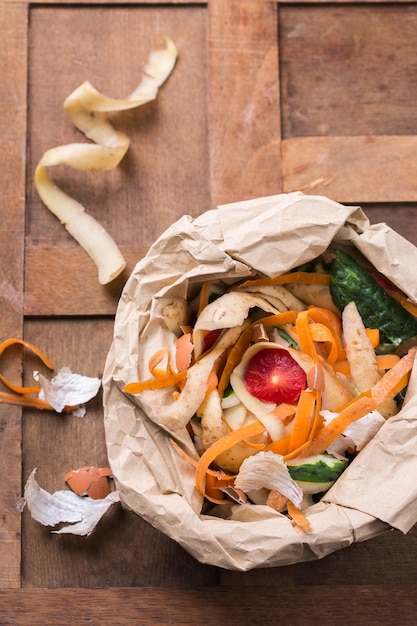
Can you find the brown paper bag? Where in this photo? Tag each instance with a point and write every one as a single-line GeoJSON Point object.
{"type": "Point", "coordinates": [270, 236]}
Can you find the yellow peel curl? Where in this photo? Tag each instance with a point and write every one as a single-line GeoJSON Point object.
{"type": "Point", "coordinates": [88, 110]}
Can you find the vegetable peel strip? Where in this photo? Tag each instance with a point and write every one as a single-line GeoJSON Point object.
{"type": "Point", "coordinates": [88, 110]}
{"type": "Point", "coordinates": [18, 389]}
{"type": "Point", "coordinates": [169, 380]}
{"type": "Point", "coordinates": [384, 388]}
{"type": "Point", "coordinates": [35, 403]}
{"type": "Point", "coordinates": [224, 443]}
{"type": "Point", "coordinates": [298, 516]}
{"type": "Point", "coordinates": [291, 277]}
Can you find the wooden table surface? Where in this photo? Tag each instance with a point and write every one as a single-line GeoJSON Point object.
{"type": "Point", "coordinates": [266, 97]}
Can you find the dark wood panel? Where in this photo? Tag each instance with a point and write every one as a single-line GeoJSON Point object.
{"type": "Point", "coordinates": [348, 69]}
{"type": "Point", "coordinates": [305, 605]}
{"type": "Point", "coordinates": [13, 25]}
{"type": "Point", "coordinates": [124, 550]}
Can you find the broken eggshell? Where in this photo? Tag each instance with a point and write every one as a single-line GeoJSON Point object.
{"type": "Point", "coordinates": [89, 481]}
{"type": "Point", "coordinates": [82, 514]}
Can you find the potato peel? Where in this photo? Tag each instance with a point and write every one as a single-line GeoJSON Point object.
{"type": "Point", "coordinates": [88, 110]}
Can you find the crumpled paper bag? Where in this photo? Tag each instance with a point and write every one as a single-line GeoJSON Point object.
{"type": "Point", "coordinates": [268, 235]}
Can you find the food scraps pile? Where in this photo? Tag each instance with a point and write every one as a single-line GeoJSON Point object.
{"type": "Point", "coordinates": [282, 381]}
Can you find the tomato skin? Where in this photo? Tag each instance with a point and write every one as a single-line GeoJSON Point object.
{"type": "Point", "coordinates": [211, 338]}
{"type": "Point", "coordinates": [272, 375]}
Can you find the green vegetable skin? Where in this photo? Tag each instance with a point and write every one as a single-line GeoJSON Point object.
{"type": "Point", "coordinates": [317, 473]}
{"type": "Point", "coordinates": [350, 282]}
{"type": "Point", "coordinates": [320, 468]}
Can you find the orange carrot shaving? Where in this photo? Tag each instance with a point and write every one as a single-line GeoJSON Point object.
{"type": "Point", "coordinates": [386, 361]}
{"type": "Point", "coordinates": [220, 475]}
{"type": "Point", "coordinates": [305, 339]}
{"type": "Point", "coordinates": [27, 402]}
{"type": "Point", "coordinates": [387, 386]}
{"type": "Point", "coordinates": [221, 445]}
{"type": "Point", "coordinates": [17, 388]}
{"type": "Point", "coordinates": [333, 319]}
{"type": "Point", "coordinates": [212, 382]}
{"type": "Point", "coordinates": [326, 327]}
{"type": "Point", "coordinates": [411, 307]}
{"type": "Point", "coordinates": [298, 516]}
{"type": "Point", "coordinates": [316, 425]}
{"type": "Point", "coordinates": [302, 420]}
{"type": "Point", "coordinates": [321, 334]}
{"type": "Point", "coordinates": [156, 359]}
{"type": "Point", "coordinates": [314, 278]}
{"type": "Point", "coordinates": [343, 367]}
{"type": "Point", "coordinates": [279, 446]}
{"type": "Point", "coordinates": [285, 412]}
{"type": "Point", "coordinates": [328, 433]}
{"type": "Point", "coordinates": [373, 334]}
{"type": "Point", "coordinates": [214, 486]}
{"type": "Point", "coordinates": [169, 380]}
{"type": "Point", "coordinates": [383, 362]}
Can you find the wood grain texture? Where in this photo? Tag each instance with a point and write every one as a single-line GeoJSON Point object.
{"type": "Point", "coordinates": [165, 172]}
{"type": "Point", "coordinates": [245, 136]}
{"type": "Point", "coordinates": [352, 169]}
{"type": "Point", "coordinates": [348, 70]}
{"type": "Point", "coordinates": [248, 74]}
{"type": "Point", "coordinates": [303, 606]}
{"type": "Point", "coordinates": [124, 550]}
{"type": "Point", "coordinates": [13, 26]}
{"type": "Point", "coordinates": [72, 287]}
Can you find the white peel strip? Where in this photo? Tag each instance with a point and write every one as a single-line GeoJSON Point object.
{"type": "Point", "coordinates": [88, 110]}
{"type": "Point", "coordinates": [82, 513]}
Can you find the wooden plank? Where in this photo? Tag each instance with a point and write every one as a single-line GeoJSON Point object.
{"type": "Point", "coordinates": [124, 550]}
{"type": "Point", "coordinates": [245, 137]}
{"type": "Point", "coordinates": [13, 25]}
{"type": "Point", "coordinates": [342, 604]}
{"type": "Point", "coordinates": [79, 292]}
{"type": "Point", "coordinates": [165, 172]}
{"type": "Point", "coordinates": [348, 69]}
{"type": "Point", "coordinates": [352, 169]}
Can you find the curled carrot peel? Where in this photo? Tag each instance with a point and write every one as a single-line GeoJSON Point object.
{"type": "Point", "coordinates": [169, 380]}
{"type": "Point", "coordinates": [302, 419]}
{"type": "Point", "coordinates": [298, 516]}
{"type": "Point", "coordinates": [156, 359]}
{"type": "Point", "coordinates": [28, 402]}
{"type": "Point", "coordinates": [221, 445]}
{"type": "Point", "coordinates": [314, 278]}
{"type": "Point", "coordinates": [313, 327]}
{"type": "Point", "coordinates": [17, 388]}
{"type": "Point", "coordinates": [386, 387]}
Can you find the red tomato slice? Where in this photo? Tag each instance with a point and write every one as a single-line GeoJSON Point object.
{"type": "Point", "coordinates": [272, 375]}
{"type": "Point", "coordinates": [211, 338]}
